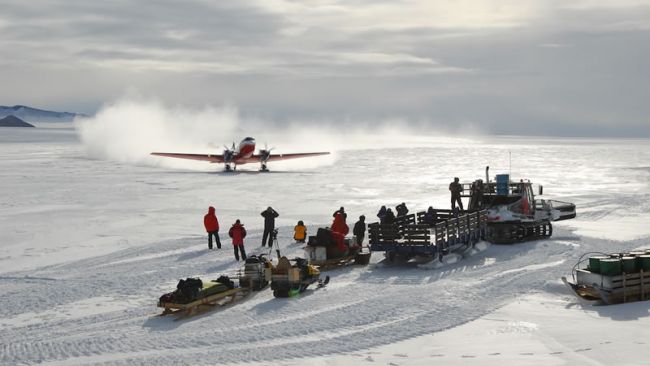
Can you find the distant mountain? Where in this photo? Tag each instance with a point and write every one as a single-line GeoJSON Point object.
{"type": "Point", "coordinates": [13, 121]}
{"type": "Point", "coordinates": [37, 115]}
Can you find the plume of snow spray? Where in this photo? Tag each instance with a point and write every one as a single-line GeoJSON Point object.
{"type": "Point", "coordinates": [129, 129]}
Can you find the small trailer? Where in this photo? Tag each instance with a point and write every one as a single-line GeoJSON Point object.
{"type": "Point", "coordinates": [612, 278]}
{"type": "Point", "coordinates": [408, 238]}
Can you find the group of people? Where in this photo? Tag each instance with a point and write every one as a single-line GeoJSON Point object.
{"type": "Point", "coordinates": [386, 216]}
{"type": "Point", "coordinates": [237, 231]}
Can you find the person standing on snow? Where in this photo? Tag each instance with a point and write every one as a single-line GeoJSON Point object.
{"type": "Point", "coordinates": [456, 188]}
{"type": "Point", "coordinates": [339, 230]}
{"type": "Point", "coordinates": [238, 233]}
{"type": "Point", "coordinates": [359, 230]}
{"type": "Point", "coordinates": [212, 227]}
{"type": "Point", "coordinates": [339, 225]}
{"type": "Point", "coordinates": [269, 225]}
{"type": "Point", "coordinates": [300, 232]}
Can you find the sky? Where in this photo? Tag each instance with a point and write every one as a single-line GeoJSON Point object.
{"type": "Point", "coordinates": [533, 67]}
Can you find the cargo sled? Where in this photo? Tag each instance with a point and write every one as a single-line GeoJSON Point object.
{"type": "Point", "coordinates": [323, 251]}
{"type": "Point", "coordinates": [193, 295]}
{"type": "Point", "coordinates": [444, 234]}
{"type": "Point", "coordinates": [291, 277]}
{"type": "Point", "coordinates": [612, 278]}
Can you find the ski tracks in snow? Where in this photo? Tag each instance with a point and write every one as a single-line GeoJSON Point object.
{"type": "Point", "coordinates": [102, 310]}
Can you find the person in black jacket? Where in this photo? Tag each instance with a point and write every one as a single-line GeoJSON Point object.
{"type": "Point", "coordinates": [456, 189]}
{"type": "Point", "coordinates": [389, 219]}
{"type": "Point", "coordinates": [381, 214]}
{"type": "Point", "coordinates": [269, 225]}
{"type": "Point", "coordinates": [401, 209]}
{"type": "Point", "coordinates": [430, 216]}
{"type": "Point", "coordinates": [359, 230]}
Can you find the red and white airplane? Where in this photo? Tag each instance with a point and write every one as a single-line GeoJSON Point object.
{"type": "Point", "coordinates": [244, 154]}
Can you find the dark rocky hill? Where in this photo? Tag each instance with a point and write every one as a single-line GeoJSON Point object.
{"type": "Point", "coordinates": [13, 121]}
{"type": "Point", "coordinates": [37, 115]}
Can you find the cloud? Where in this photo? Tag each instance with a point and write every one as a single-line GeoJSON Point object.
{"type": "Point", "coordinates": [534, 66]}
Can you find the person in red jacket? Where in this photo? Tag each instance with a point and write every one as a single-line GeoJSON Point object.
{"type": "Point", "coordinates": [238, 233]}
{"type": "Point", "coordinates": [339, 225]}
{"type": "Point", "coordinates": [212, 227]}
{"type": "Point", "coordinates": [339, 230]}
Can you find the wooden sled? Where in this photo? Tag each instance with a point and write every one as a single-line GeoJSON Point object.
{"type": "Point", "coordinates": [203, 304]}
{"type": "Point", "coordinates": [583, 292]}
{"type": "Point", "coordinates": [358, 258]}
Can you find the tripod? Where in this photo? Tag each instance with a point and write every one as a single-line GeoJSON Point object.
{"type": "Point", "coordinates": [274, 243]}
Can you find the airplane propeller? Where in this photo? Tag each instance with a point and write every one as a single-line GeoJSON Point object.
{"type": "Point", "coordinates": [265, 153]}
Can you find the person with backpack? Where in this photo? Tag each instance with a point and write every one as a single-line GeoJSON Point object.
{"type": "Point", "coordinates": [237, 232]}
{"type": "Point", "coordinates": [359, 230]}
{"type": "Point", "coordinates": [300, 232]}
{"type": "Point", "coordinates": [269, 225]}
{"type": "Point", "coordinates": [212, 227]}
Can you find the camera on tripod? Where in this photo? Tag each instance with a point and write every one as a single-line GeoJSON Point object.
{"type": "Point", "coordinates": [274, 234]}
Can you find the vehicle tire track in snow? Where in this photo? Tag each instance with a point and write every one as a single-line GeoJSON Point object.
{"type": "Point", "coordinates": [374, 305]}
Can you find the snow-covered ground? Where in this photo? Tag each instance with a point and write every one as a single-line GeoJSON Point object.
{"type": "Point", "coordinates": [87, 245]}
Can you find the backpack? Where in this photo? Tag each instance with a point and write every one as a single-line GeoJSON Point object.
{"type": "Point", "coordinates": [189, 288]}
{"type": "Point", "coordinates": [226, 281]}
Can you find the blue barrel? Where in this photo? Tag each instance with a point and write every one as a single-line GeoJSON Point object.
{"type": "Point", "coordinates": [502, 184]}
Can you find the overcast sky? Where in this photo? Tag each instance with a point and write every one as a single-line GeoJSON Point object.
{"type": "Point", "coordinates": [541, 67]}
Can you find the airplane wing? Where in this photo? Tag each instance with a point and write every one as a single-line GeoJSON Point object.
{"type": "Point", "coordinates": [205, 157]}
{"type": "Point", "coordinates": [277, 157]}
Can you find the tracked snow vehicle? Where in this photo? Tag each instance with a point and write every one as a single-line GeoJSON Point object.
{"type": "Point", "coordinates": [514, 215]}
{"type": "Point", "coordinates": [289, 279]}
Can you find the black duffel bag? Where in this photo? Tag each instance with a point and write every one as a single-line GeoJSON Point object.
{"type": "Point", "coordinates": [324, 237]}
{"type": "Point", "coordinates": [189, 288]}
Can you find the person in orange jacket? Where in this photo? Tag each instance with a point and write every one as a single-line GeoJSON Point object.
{"type": "Point", "coordinates": [300, 232]}
{"type": "Point", "coordinates": [237, 232]}
{"type": "Point", "coordinates": [212, 227]}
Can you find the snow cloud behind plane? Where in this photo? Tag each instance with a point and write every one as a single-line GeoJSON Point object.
{"type": "Point", "coordinates": [129, 129]}
{"type": "Point", "coordinates": [533, 67]}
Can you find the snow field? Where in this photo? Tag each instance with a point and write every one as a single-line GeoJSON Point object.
{"type": "Point", "coordinates": [89, 245]}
